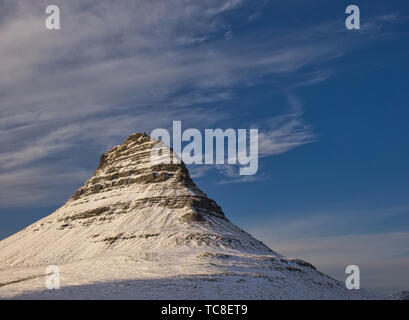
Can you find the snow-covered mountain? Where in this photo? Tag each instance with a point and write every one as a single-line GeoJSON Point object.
{"type": "Point", "coordinates": [142, 229]}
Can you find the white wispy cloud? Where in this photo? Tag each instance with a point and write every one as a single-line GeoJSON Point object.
{"type": "Point", "coordinates": [285, 133]}
{"type": "Point", "coordinates": [39, 185]}
{"type": "Point", "coordinates": [120, 67]}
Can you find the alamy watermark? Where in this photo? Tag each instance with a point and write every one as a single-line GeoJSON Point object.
{"type": "Point", "coordinates": [353, 281]}
{"type": "Point", "coordinates": [353, 21]}
{"type": "Point", "coordinates": [52, 21]}
{"type": "Point", "coordinates": [242, 147]}
{"type": "Point", "coordinates": [52, 280]}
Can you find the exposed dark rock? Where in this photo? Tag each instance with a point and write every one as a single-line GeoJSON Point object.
{"type": "Point", "coordinates": [193, 217]}
{"type": "Point", "coordinates": [88, 214]}
{"type": "Point", "coordinates": [303, 263]}
{"type": "Point", "coordinates": [214, 255]}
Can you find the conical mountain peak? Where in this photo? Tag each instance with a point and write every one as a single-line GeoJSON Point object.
{"type": "Point", "coordinates": [129, 167]}
{"type": "Point", "coordinates": [139, 219]}
{"type": "Point", "coordinates": [130, 205]}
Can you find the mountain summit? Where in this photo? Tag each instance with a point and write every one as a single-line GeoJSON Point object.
{"type": "Point", "coordinates": [139, 228]}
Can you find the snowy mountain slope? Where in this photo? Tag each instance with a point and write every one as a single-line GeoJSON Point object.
{"type": "Point", "coordinates": [142, 229]}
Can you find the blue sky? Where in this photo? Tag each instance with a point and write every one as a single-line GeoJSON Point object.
{"type": "Point", "coordinates": [331, 106]}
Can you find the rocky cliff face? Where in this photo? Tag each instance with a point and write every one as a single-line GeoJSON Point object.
{"type": "Point", "coordinates": [138, 218]}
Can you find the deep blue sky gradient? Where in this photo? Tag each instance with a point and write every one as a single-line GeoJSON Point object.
{"type": "Point", "coordinates": [357, 169]}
